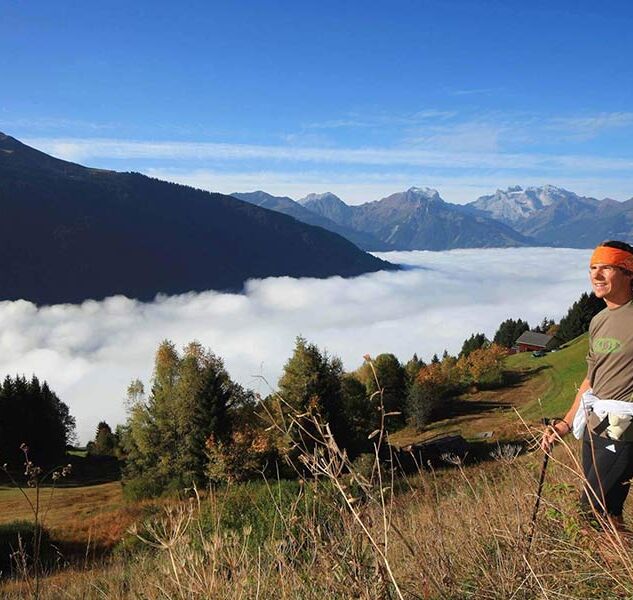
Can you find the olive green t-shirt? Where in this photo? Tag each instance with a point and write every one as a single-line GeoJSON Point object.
{"type": "Point", "coordinates": [610, 357]}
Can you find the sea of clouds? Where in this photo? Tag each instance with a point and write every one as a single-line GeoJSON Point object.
{"type": "Point", "coordinates": [90, 352]}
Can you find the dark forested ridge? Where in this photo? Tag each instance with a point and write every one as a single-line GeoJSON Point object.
{"type": "Point", "coordinates": [69, 233]}
{"type": "Point", "coordinates": [288, 206]}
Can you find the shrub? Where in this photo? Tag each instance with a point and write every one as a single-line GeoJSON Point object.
{"type": "Point", "coordinates": [142, 488]}
{"type": "Point", "coordinates": [280, 510]}
{"type": "Point", "coordinates": [18, 535]}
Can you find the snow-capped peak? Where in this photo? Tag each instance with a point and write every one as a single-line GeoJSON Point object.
{"type": "Point", "coordinates": [517, 203]}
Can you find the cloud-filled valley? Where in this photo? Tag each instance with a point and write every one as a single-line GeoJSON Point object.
{"type": "Point", "coordinates": [90, 352]}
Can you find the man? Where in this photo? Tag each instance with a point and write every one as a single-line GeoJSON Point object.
{"type": "Point", "coordinates": [603, 407]}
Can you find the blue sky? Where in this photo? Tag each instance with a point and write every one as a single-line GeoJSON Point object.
{"type": "Point", "coordinates": [359, 98]}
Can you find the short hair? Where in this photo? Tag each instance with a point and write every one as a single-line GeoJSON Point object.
{"type": "Point", "coordinates": [620, 246]}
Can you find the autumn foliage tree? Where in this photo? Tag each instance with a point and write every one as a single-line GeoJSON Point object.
{"type": "Point", "coordinates": [252, 449]}
{"type": "Point", "coordinates": [436, 383]}
{"type": "Point", "coordinates": [482, 366]}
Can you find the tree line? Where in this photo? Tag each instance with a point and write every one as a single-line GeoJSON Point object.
{"type": "Point", "coordinates": [32, 415]}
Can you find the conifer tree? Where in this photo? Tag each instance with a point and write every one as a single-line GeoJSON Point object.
{"type": "Point", "coordinates": [105, 442]}
{"type": "Point", "coordinates": [474, 342]}
{"type": "Point", "coordinates": [509, 332]}
{"type": "Point", "coordinates": [166, 435]}
{"type": "Point", "coordinates": [311, 382]}
{"type": "Point", "coordinates": [33, 414]}
{"type": "Point", "coordinates": [412, 368]}
{"type": "Point", "coordinates": [576, 321]}
{"type": "Point", "coordinates": [360, 413]}
{"type": "Point", "coordinates": [391, 378]}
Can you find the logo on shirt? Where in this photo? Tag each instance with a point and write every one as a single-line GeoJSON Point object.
{"type": "Point", "coordinates": [606, 345]}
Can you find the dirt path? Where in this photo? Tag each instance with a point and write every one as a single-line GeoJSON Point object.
{"type": "Point", "coordinates": [481, 412]}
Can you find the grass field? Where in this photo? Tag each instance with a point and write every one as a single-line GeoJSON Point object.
{"type": "Point", "coordinates": [562, 373]}
{"type": "Point", "coordinates": [83, 517]}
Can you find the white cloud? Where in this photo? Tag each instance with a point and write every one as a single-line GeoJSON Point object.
{"type": "Point", "coordinates": [382, 120]}
{"type": "Point", "coordinates": [90, 148]}
{"type": "Point", "coordinates": [588, 127]}
{"type": "Point", "coordinates": [90, 352]}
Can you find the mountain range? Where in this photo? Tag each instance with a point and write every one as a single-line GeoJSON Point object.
{"type": "Point", "coordinates": [419, 219]}
{"type": "Point", "coordinates": [70, 233]}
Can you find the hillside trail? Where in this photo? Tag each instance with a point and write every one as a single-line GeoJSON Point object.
{"type": "Point", "coordinates": [487, 414]}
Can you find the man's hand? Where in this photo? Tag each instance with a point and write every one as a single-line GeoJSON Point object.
{"type": "Point", "coordinates": [554, 432]}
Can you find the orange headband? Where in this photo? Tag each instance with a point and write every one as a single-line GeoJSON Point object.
{"type": "Point", "coordinates": [604, 255]}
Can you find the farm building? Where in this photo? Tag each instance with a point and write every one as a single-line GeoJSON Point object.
{"type": "Point", "coordinates": [531, 340]}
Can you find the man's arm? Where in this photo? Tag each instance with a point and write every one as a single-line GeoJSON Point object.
{"type": "Point", "coordinates": [562, 428]}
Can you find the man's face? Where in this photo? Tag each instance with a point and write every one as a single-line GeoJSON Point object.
{"type": "Point", "coordinates": [609, 282]}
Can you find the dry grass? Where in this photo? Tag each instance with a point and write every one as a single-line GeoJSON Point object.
{"type": "Point", "coordinates": [87, 516]}
{"type": "Point", "coordinates": [458, 533]}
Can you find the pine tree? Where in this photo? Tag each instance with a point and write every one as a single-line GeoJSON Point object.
{"type": "Point", "coordinates": [361, 415]}
{"type": "Point", "coordinates": [474, 342]}
{"type": "Point", "coordinates": [311, 383]}
{"type": "Point", "coordinates": [412, 368]}
{"type": "Point", "coordinates": [509, 332]}
{"type": "Point", "coordinates": [545, 325]}
{"type": "Point", "coordinates": [105, 442]}
{"type": "Point", "coordinates": [33, 414]}
{"type": "Point", "coordinates": [576, 321]}
{"type": "Point", "coordinates": [391, 377]}
{"type": "Point", "coordinates": [165, 437]}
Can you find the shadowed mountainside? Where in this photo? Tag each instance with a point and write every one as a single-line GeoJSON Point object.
{"type": "Point", "coordinates": [289, 207]}
{"type": "Point", "coordinates": [70, 233]}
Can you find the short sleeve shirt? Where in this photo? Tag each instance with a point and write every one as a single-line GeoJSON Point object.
{"type": "Point", "coordinates": [610, 357]}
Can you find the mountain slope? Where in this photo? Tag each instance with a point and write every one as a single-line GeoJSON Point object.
{"type": "Point", "coordinates": [69, 233]}
{"type": "Point", "coordinates": [588, 230]}
{"type": "Point", "coordinates": [329, 206]}
{"type": "Point", "coordinates": [418, 219]}
{"type": "Point", "coordinates": [289, 207]}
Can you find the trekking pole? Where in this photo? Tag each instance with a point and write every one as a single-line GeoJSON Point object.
{"type": "Point", "coordinates": [539, 493]}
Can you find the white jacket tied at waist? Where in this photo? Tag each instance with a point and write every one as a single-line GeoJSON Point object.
{"type": "Point", "coordinates": [620, 414]}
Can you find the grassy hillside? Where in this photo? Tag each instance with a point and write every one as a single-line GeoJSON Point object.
{"type": "Point", "coordinates": [560, 372]}
{"type": "Point", "coordinates": [536, 388]}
